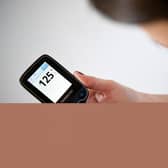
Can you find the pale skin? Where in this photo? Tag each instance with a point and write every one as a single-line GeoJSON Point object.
{"type": "Point", "coordinates": [109, 91]}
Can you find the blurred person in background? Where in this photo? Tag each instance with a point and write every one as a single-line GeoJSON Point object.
{"type": "Point", "coordinates": [152, 16]}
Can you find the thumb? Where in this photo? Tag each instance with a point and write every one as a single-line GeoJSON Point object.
{"type": "Point", "coordinates": [93, 82]}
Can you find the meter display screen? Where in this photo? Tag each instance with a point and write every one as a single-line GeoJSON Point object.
{"type": "Point", "coordinates": [48, 81]}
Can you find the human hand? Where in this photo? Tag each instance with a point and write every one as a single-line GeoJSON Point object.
{"type": "Point", "coordinates": [108, 91]}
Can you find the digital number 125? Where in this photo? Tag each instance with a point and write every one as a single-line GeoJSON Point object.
{"type": "Point", "coordinates": [46, 79]}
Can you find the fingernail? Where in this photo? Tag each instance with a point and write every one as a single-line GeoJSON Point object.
{"type": "Point", "coordinates": [80, 73]}
{"type": "Point", "coordinates": [99, 97]}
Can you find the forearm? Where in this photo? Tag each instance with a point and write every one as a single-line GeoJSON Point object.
{"type": "Point", "coordinates": [153, 98]}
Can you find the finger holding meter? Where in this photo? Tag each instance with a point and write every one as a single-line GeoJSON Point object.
{"type": "Point", "coordinates": [50, 82]}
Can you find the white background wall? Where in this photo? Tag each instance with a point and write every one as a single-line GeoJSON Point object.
{"type": "Point", "coordinates": [81, 39]}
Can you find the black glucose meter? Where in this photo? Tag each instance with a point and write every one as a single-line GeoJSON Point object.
{"type": "Point", "coordinates": [50, 82]}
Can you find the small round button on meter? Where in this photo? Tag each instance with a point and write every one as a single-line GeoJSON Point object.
{"type": "Point", "coordinates": [83, 94]}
